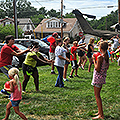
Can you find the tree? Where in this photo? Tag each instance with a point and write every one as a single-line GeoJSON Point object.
{"type": "Point", "coordinates": [53, 13]}
{"type": "Point", "coordinates": [69, 15]}
{"type": "Point", "coordinates": [8, 30]}
{"type": "Point", "coordinates": [24, 9]}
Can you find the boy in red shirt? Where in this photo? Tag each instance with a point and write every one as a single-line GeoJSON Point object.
{"type": "Point", "coordinates": [73, 58]}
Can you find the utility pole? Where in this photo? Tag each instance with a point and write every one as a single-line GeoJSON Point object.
{"type": "Point", "coordinates": [119, 12]}
{"type": "Point", "coordinates": [61, 19]}
{"type": "Point", "coordinates": [15, 19]}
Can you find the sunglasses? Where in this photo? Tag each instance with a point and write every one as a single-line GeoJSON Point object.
{"type": "Point", "coordinates": [12, 38]}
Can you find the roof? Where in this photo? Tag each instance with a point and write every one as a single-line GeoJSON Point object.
{"type": "Point", "coordinates": [24, 21]}
{"type": "Point", "coordinates": [70, 22]}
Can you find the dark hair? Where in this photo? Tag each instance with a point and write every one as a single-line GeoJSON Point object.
{"type": "Point", "coordinates": [104, 46]}
{"type": "Point", "coordinates": [7, 38]}
{"type": "Point", "coordinates": [58, 41]}
{"type": "Point", "coordinates": [34, 44]}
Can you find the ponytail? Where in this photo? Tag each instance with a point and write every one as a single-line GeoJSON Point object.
{"type": "Point", "coordinates": [16, 77]}
{"type": "Point", "coordinates": [14, 72]}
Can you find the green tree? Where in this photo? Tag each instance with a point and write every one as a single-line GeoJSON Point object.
{"type": "Point", "coordinates": [69, 15]}
{"type": "Point", "coordinates": [53, 13]}
{"type": "Point", "coordinates": [108, 21]}
{"type": "Point", "coordinates": [9, 30]}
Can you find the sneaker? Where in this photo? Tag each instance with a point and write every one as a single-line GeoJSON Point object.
{"type": "Point", "coordinates": [70, 76]}
{"type": "Point", "coordinates": [76, 76]}
{"type": "Point", "coordinates": [82, 67]}
{"type": "Point", "coordinates": [65, 79]}
{"type": "Point", "coordinates": [23, 91]}
{"type": "Point", "coordinates": [4, 92]}
{"type": "Point", "coordinates": [53, 72]}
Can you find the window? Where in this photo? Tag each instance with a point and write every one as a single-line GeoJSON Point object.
{"type": "Point", "coordinates": [28, 27]}
{"type": "Point", "coordinates": [53, 24]}
{"type": "Point", "coordinates": [48, 24]}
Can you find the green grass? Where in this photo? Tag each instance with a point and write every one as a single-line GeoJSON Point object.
{"type": "Point", "coordinates": [74, 102]}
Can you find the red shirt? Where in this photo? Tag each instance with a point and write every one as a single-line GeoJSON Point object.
{"type": "Point", "coordinates": [51, 49]}
{"type": "Point", "coordinates": [6, 56]}
{"type": "Point", "coordinates": [73, 52]}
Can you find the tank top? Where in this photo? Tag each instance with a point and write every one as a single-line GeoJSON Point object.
{"type": "Point", "coordinates": [100, 77]}
{"type": "Point", "coordinates": [16, 95]}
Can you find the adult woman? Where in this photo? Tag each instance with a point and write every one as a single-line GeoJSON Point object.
{"type": "Point", "coordinates": [90, 52]}
{"type": "Point", "coordinates": [29, 65]}
{"type": "Point", "coordinates": [60, 57]}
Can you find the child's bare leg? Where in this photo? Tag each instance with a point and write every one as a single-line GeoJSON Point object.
{"type": "Point", "coordinates": [65, 71]}
{"type": "Point", "coordinates": [90, 64]}
{"type": "Point", "coordinates": [85, 60]}
{"type": "Point", "coordinates": [9, 105]}
{"type": "Point", "coordinates": [75, 71]}
{"type": "Point", "coordinates": [19, 113]}
{"type": "Point", "coordinates": [99, 103]}
{"type": "Point", "coordinates": [72, 72]}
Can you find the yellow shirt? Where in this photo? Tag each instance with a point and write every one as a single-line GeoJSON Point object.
{"type": "Point", "coordinates": [29, 60]}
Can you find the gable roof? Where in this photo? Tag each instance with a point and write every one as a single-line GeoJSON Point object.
{"type": "Point", "coordinates": [25, 21]}
{"type": "Point", "coordinates": [70, 22]}
{"type": "Point", "coordinates": [1, 20]}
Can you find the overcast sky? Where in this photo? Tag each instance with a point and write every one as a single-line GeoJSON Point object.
{"type": "Point", "coordinates": [99, 8]}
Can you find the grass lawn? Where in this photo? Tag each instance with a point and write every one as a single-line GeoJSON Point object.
{"type": "Point", "coordinates": [74, 102]}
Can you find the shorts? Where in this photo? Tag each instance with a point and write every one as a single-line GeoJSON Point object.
{"type": "Point", "coordinates": [97, 85]}
{"type": "Point", "coordinates": [80, 53]}
{"type": "Point", "coordinates": [15, 103]}
{"type": "Point", "coordinates": [52, 56]}
{"type": "Point", "coordinates": [89, 55]}
{"type": "Point", "coordinates": [74, 64]}
{"type": "Point", "coordinates": [28, 69]}
{"type": "Point", "coordinates": [5, 69]}
{"type": "Point", "coordinates": [66, 62]}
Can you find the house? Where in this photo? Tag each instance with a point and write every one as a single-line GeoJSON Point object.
{"type": "Point", "coordinates": [24, 23]}
{"type": "Point", "coordinates": [71, 27]}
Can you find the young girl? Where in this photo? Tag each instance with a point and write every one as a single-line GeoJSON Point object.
{"type": "Point", "coordinates": [90, 52]}
{"type": "Point", "coordinates": [99, 76]}
{"type": "Point", "coordinates": [66, 46]}
{"type": "Point", "coordinates": [16, 94]}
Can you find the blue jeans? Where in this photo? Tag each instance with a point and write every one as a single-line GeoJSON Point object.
{"type": "Point", "coordinates": [59, 82]}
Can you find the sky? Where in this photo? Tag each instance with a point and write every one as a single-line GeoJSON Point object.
{"type": "Point", "coordinates": [99, 8]}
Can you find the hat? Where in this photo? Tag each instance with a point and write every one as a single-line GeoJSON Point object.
{"type": "Point", "coordinates": [55, 33]}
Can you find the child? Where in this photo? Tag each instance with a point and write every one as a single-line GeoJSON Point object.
{"type": "Point", "coordinates": [16, 94]}
{"type": "Point", "coordinates": [90, 52]}
{"type": "Point", "coordinates": [99, 76]}
{"type": "Point", "coordinates": [73, 58]}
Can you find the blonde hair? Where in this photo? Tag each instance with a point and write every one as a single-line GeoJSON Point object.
{"type": "Point", "coordinates": [75, 42]}
{"type": "Point", "coordinates": [91, 41]}
{"type": "Point", "coordinates": [66, 38]}
{"type": "Point", "coordinates": [14, 73]}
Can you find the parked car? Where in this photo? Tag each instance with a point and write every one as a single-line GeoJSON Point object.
{"type": "Point", "coordinates": [15, 61]}
{"type": "Point", "coordinates": [22, 57]}
{"type": "Point", "coordinates": [44, 48]}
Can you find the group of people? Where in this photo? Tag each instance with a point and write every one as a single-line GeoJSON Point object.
{"type": "Point", "coordinates": [61, 54]}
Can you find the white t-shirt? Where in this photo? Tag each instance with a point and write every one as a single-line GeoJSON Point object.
{"type": "Point", "coordinates": [115, 43]}
{"type": "Point", "coordinates": [60, 51]}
